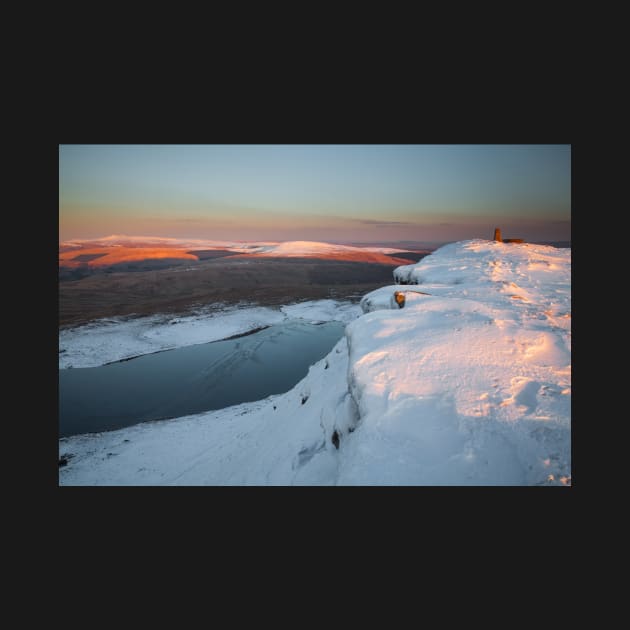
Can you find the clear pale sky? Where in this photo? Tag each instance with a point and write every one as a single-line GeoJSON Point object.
{"type": "Point", "coordinates": [336, 193]}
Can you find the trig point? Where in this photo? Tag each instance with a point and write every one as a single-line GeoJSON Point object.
{"type": "Point", "coordinates": [497, 235]}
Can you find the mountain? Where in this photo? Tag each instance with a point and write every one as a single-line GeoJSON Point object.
{"type": "Point", "coordinates": [142, 253]}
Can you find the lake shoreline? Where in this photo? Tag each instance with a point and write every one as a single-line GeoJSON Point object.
{"type": "Point", "coordinates": [113, 340]}
{"type": "Point", "coordinates": [192, 379]}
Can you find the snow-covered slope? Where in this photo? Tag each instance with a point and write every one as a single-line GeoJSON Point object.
{"type": "Point", "coordinates": [282, 440]}
{"type": "Point", "coordinates": [314, 249]}
{"type": "Point", "coordinates": [304, 248]}
{"type": "Point", "coordinates": [301, 248]}
{"type": "Point", "coordinates": [472, 383]}
{"type": "Point", "coordinates": [468, 385]}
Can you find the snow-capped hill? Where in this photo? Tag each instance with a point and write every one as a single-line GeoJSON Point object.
{"type": "Point", "coordinates": [332, 251]}
{"type": "Point", "coordinates": [470, 384]}
{"type": "Point", "coordinates": [302, 248]}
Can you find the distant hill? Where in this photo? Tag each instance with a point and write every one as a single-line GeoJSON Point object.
{"type": "Point", "coordinates": [80, 258]}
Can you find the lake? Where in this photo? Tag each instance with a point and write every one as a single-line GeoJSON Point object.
{"type": "Point", "coordinates": [193, 379]}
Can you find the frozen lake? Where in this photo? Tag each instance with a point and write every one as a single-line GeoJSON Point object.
{"type": "Point", "coordinates": [192, 379]}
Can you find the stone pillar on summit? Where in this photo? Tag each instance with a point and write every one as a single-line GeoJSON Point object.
{"type": "Point", "coordinates": [497, 235]}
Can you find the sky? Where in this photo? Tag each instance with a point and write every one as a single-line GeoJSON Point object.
{"type": "Point", "coordinates": [334, 193]}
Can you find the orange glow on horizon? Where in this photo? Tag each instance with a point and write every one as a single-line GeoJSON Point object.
{"type": "Point", "coordinates": [113, 255]}
{"type": "Point", "coordinates": [106, 256]}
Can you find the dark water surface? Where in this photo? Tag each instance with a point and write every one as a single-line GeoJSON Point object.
{"type": "Point", "coordinates": [193, 379]}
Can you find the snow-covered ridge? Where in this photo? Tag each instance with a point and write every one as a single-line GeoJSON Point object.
{"type": "Point", "coordinates": [303, 248]}
{"type": "Point", "coordinates": [116, 249]}
{"type": "Point", "coordinates": [122, 240]}
{"type": "Point", "coordinates": [275, 248]}
{"type": "Point", "coordinates": [470, 384]}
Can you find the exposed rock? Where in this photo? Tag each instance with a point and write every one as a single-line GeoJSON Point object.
{"type": "Point", "coordinates": [335, 439]}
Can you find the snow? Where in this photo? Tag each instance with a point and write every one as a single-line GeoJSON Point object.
{"type": "Point", "coordinates": [265, 248]}
{"type": "Point", "coordinates": [472, 383]}
{"type": "Point", "coordinates": [277, 441]}
{"type": "Point", "coordinates": [118, 248]}
{"type": "Point", "coordinates": [390, 250]}
{"type": "Point", "coordinates": [302, 248]}
{"type": "Point", "coordinates": [313, 249]}
{"type": "Point", "coordinates": [469, 385]}
{"type": "Point", "coordinates": [382, 298]}
{"type": "Point", "coordinates": [122, 240]}
{"type": "Point", "coordinates": [104, 341]}
{"type": "Point", "coordinates": [317, 311]}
